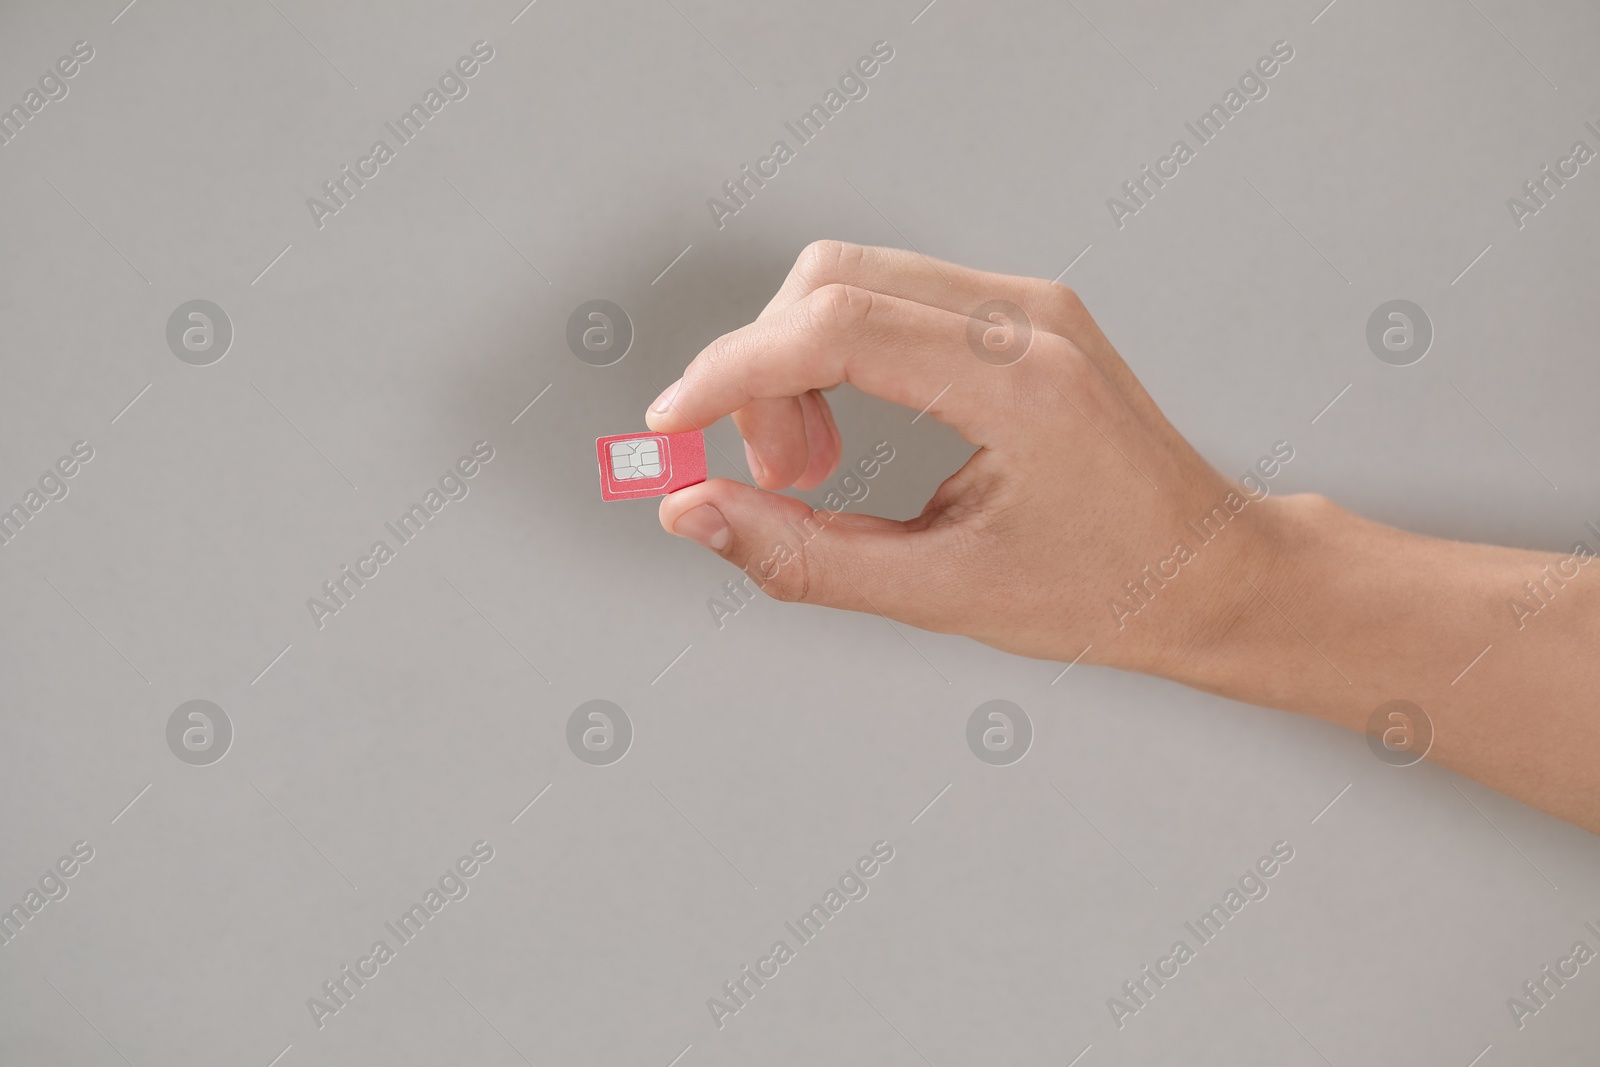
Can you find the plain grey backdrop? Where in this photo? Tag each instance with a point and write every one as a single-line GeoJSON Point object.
{"type": "Point", "coordinates": [370, 352]}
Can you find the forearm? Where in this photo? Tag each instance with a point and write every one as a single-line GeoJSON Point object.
{"type": "Point", "coordinates": [1333, 616]}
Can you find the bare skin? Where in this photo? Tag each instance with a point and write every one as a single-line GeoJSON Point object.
{"type": "Point", "coordinates": [1296, 604]}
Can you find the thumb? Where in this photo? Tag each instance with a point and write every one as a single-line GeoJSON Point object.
{"type": "Point", "coordinates": [796, 553]}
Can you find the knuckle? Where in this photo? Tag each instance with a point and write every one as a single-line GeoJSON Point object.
{"type": "Point", "coordinates": [852, 259]}
{"type": "Point", "coordinates": [1064, 298]}
{"type": "Point", "coordinates": [821, 262]}
{"type": "Point", "coordinates": [1063, 294]}
{"type": "Point", "coordinates": [837, 309]}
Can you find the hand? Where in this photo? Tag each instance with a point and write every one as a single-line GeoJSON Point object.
{"type": "Point", "coordinates": [1078, 486]}
{"type": "Point", "coordinates": [1085, 526]}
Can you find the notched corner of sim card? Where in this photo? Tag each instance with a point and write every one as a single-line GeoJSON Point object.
{"type": "Point", "coordinates": [636, 465]}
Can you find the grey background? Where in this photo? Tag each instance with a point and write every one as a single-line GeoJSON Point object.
{"type": "Point", "coordinates": [775, 751]}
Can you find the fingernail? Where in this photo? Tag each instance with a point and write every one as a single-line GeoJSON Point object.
{"type": "Point", "coordinates": [664, 401]}
{"type": "Point", "coordinates": [706, 525]}
{"type": "Point", "coordinates": [756, 469]}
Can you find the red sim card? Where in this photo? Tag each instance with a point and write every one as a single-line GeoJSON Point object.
{"type": "Point", "coordinates": [650, 464]}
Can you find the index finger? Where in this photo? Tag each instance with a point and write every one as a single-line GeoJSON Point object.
{"type": "Point", "coordinates": [905, 352]}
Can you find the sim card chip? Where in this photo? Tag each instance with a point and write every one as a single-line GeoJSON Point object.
{"type": "Point", "coordinates": [631, 460]}
{"type": "Point", "coordinates": [635, 465]}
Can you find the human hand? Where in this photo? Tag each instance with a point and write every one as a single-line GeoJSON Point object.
{"type": "Point", "coordinates": [1079, 484]}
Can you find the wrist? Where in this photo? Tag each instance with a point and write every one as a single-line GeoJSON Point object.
{"type": "Point", "coordinates": [1272, 590]}
{"type": "Point", "coordinates": [1326, 613]}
